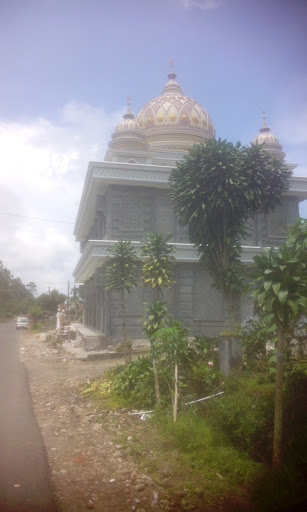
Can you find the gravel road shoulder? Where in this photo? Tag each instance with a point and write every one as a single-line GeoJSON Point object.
{"type": "Point", "coordinates": [96, 457]}
{"type": "Point", "coordinates": [89, 471]}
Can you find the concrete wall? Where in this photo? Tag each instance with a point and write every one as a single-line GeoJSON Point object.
{"type": "Point", "coordinates": [132, 212]}
{"type": "Point", "coordinates": [191, 299]}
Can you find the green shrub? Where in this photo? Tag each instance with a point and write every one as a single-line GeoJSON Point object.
{"type": "Point", "coordinates": [135, 382]}
{"type": "Point", "coordinates": [201, 374]}
{"type": "Point", "coordinates": [254, 336]}
{"type": "Point", "coordinates": [204, 379]}
{"type": "Point", "coordinates": [36, 327]}
{"type": "Point", "coordinates": [244, 416]}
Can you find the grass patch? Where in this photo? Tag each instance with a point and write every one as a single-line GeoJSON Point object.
{"type": "Point", "coordinates": [218, 449]}
{"type": "Point", "coordinates": [208, 452]}
{"type": "Point", "coordinates": [99, 390]}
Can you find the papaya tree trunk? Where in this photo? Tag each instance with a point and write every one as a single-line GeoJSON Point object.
{"type": "Point", "coordinates": [154, 362]}
{"type": "Point", "coordinates": [175, 403]}
{"type": "Point", "coordinates": [277, 437]}
{"type": "Point", "coordinates": [156, 379]}
{"type": "Point", "coordinates": [124, 325]}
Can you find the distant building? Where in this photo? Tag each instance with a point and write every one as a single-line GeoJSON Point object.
{"type": "Point", "coordinates": [125, 197]}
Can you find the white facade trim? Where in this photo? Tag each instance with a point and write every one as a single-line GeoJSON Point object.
{"type": "Point", "coordinates": [101, 174]}
{"type": "Point", "coordinates": [96, 252]}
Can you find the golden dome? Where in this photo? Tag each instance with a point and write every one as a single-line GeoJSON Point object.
{"type": "Point", "coordinates": [270, 141]}
{"type": "Point", "coordinates": [174, 117]}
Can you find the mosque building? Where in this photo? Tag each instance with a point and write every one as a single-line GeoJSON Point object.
{"type": "Point", "coordinates": [126, 196]}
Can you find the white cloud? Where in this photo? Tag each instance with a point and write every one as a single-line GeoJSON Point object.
{"type": "Point", "coordinates": [204, 5]}
{"type": "Point", "coordinates": [42, 170]}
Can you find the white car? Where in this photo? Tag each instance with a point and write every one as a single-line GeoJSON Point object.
{"type": "Point", "coordinates": [22, 322]}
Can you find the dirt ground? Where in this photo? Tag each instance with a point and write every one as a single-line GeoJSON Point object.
{"type": "Point", "coordinates": [90, 467]}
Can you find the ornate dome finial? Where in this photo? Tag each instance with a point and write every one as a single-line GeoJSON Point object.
{"type": "Point", "coordinates": [171, 75]}
{"type": "Point", "coordinates": [128, 114]}
{"type": "Point", "coordinates": [264, 127]}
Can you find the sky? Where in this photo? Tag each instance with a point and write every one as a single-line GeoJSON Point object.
{"type": "Point", "coordinates": [67, 68]}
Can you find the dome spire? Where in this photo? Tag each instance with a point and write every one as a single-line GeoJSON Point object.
{"type": "Point", "coordinates": [128, 114]}
{"type": "Point", "coordinates": [264, 127]}
{"type": "Point", "coordinates": [172, 75]}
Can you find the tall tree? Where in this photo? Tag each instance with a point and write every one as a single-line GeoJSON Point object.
{"type": "Point", "coordinates": [49, 302]}
{"type": "Point", "coordinates": [215, 189]}
{"type": "Point", "coordinates": [32, 288]}
{"type": "Point", "coordinates": [14, 296]}
{"type": "Point", "coordinates": [122, 275]}
{"type": "Point", "coordinates": [158, 268]}
{"type": "Point", "coordinates": [279, 282]}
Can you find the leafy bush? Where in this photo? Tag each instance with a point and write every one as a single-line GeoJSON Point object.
{"type": "Point", "coordinates": [37, 327]}
{"type": "Point", "coordinates": [204, 379]}
{"type": "Point", "coordinates": [199, 376]}
{"type": "Point", "coordinates": [244, 416]}
{"type": "Point", "coordinates": [201, 372]}
{"type": "Point", "coordinates": [135, 382]}
{"type": "Point", "coordinates": [155, 317]}
{"type": "Point", "coordinates": [254, 336]}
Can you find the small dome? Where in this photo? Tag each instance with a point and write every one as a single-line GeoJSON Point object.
{"type": "Point", "coordinates": [174, 117]}
{"type": "Point", "coordinates": [270, 141]}
{"type": "Point", "coordinates": [127, 134]}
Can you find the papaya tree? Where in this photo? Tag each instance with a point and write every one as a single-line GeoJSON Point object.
{"type": "Point", "coordinates": [122, 276]}
{"type": "Point", "coordinates": [172, 342]}
{"type": "Point", "coordinates": [158, 269]}
{"type": "Point", "coordinates": [279, 282]}
{"type": "Point", "coordinates": [215, 189]}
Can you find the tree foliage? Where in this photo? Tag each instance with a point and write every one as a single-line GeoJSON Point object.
{"type": "Point", "coordinates": [158, 262]}
{"type": "Point", "coordinates": [121, 270]}
{"type": "Point", "coordinates": [122, 275]}
{"type": "Point", "coordinates": [279, 279]}
{"type": "Point", "coordinates": [14, 297]}
{"type": "Point", "coordinates": [158, 268]}
{"type": "Point", "coordinates": [215, 189]}
{"type": "Point", "coordinates": [155, 317]}
{"type": "Point", "coordinates": [280, 289]}
{"type": "Point", "coordinates": [49, 302]}
{"type": "Point", "coordinates": [32, 287]}
{"type": "Point", "coordinates": [171, 341]}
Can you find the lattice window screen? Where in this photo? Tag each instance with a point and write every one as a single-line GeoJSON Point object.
{"type": "Point", "coordinates": [131, 215]}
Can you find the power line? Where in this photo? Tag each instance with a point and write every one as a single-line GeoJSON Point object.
{"type": "Point", "coordinates": [35, 218]}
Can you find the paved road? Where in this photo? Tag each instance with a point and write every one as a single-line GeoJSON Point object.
{"type": "Point", "coordinates": [24, 473]}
